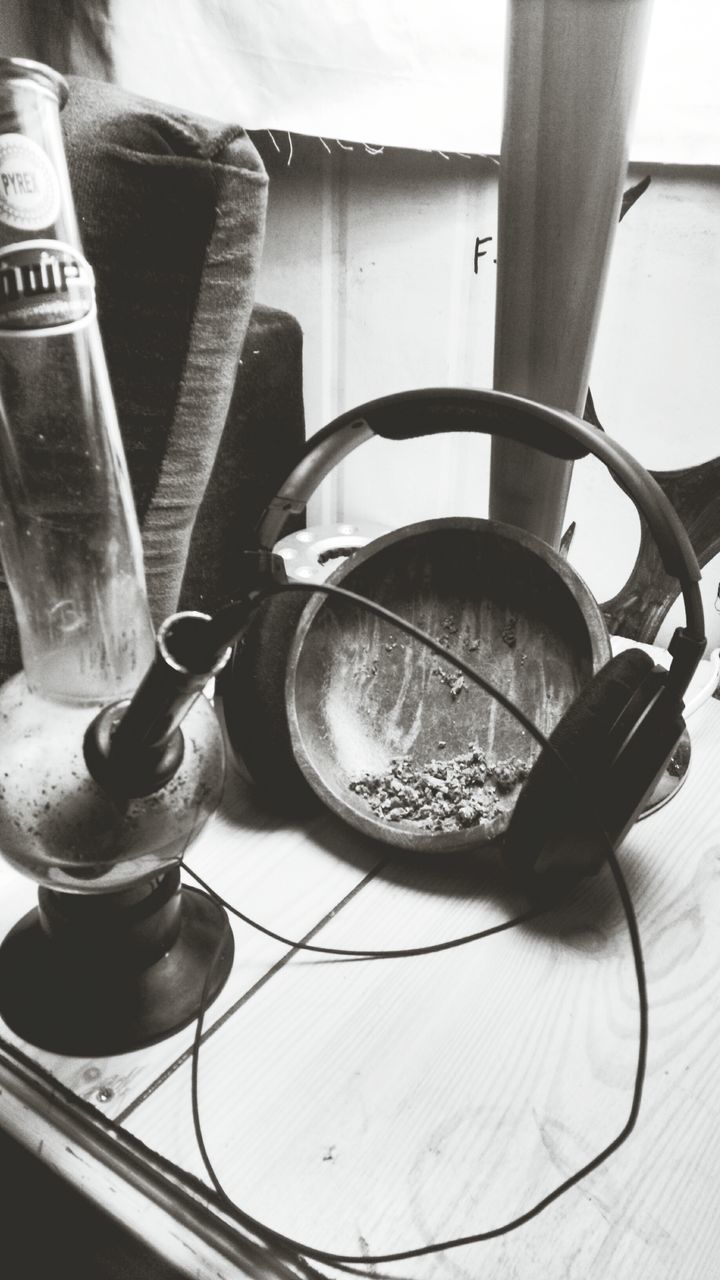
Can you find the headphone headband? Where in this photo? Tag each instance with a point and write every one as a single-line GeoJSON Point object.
{"type": "Point", "coordinates": [411, 414]}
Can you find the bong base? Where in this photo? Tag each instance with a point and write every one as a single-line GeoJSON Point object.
{"type": "Point", "coordinates": [135, 987]}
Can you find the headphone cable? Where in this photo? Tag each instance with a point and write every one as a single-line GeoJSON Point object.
{"type": "Point", "coordinates": [297, 1249]}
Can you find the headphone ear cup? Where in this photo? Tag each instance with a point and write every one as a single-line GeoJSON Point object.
{"type": "Point", "coordinates": [253, 690]}
{"type": "Point", "coordinates": [553, 838]}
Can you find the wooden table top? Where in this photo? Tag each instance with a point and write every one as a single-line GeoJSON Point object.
{"type": "Point", "coordinates": [368, 1107]}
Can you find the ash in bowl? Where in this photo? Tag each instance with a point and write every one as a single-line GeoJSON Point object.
{"type": "Point", "coordinates": [446, 794]}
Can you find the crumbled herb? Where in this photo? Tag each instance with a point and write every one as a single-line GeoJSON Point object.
{"type": "Point", "coordinates": [451, 678]}
{"type": "Point", "coordinates": [442, 795]}
{"type": "Point", "coordinates": [509, 635]}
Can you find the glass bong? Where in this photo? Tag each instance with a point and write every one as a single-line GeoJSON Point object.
{"type": "Point", "coordinates": [116, 953]}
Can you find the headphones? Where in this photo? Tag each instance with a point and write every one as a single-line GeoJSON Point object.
{"type": "Point", "coordinates": [613, 743]}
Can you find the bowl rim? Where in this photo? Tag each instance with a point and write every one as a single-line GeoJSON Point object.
{"type": "Point", "coordinates": [402, 834]}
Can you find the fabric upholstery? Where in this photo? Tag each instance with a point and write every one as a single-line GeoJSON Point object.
{"type": "Point", "coordinates": [171, 210]}
{"type": "Point", "coordinates": [264, 433]}
{"type": "Point", "coordinates": [172, 217]}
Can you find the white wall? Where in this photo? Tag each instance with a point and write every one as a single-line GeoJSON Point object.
{"type": "Point", "coordinates": [375, 255]}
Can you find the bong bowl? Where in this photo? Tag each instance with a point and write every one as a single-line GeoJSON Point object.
{"type": "Point", "coordinates": [58, 826]}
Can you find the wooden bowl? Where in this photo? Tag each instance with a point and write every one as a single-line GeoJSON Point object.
{"type": "Point", "coordinates": [391, 737]}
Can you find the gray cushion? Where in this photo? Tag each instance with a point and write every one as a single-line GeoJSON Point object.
{"type": "Point", "coordinates": [171, 211]}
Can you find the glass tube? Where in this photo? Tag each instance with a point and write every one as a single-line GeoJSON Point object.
{"type": "Point", "coordinates": [69, 539]}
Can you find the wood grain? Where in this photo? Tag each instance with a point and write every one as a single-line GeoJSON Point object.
{"type": "Point", "coordinates": [292, 885]}
{"type": "Point", "coordinates": [399, 1102]}
{"type": "Point", "coordinates": [380, 1105]}
{"type": "Point", "coordinates": [362, 694]}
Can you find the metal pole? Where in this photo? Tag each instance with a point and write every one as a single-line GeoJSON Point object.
{"type": "Point", "coordinates": [572, 74]}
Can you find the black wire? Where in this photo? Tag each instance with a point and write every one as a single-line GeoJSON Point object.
{"type": "Point", "coordinates": [229, 633]}
{"type": "Point", "coordinates": [297, 1248]}
{"type": "Point", "coordinates": [400, 953]}
{"type": "Point", "coordinates": [227, 630]}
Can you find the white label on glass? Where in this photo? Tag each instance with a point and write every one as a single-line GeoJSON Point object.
{"type": "Point", "coordinates": [43, 284]}
{"type": "Point", "coordinates": [29, 190]}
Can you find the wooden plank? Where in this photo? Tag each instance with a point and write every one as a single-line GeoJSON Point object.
{"type": "Point", "coordinates": [379, 1105]}
{"type": "Point", "coordinates": [285, 877]}
{"type": "Point", "coordinates": [131, 1185]}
